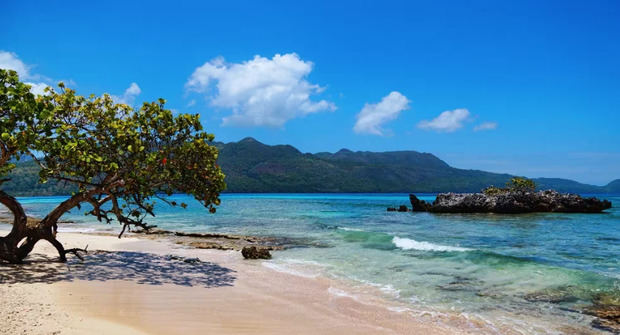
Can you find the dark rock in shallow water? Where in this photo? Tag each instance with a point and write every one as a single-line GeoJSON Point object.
{"type": "Point", "coordinates": [606, 307]}
{"type": "Point", "coordinates": [510, 202]}
{"type": "Point", "coordinates": [401, 208]}
{"type": "Point", "coordinates": [418, 205]}
{"type": "Point", "coordinates": [255, 253]}
{"type": "Point", "coordinates": [608, 317]}
{"type": "Point", "coordinates": [555, 296]}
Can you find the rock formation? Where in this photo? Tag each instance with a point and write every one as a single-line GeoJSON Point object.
{"type": "Point", "coordinates": [510, 202]}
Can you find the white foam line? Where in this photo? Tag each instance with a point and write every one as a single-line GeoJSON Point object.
{"type": "Point", "coordinates": [410, 244]}
{"type": "Point", "coordinates": [340, 293]}
{"type": "Point", "coordinates": [284, 269]}
{"type": "Point", "coordinates": [349, 229]}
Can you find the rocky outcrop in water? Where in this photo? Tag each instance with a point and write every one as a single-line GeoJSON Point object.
{"type": "Point", "coordinates": [608, 317]}
{"type": "Point", "coordinates": [510, 202]}
{"type": "Point", "coordinates": [606, 308]}
{"type": "Point", "coordinates": [418, 205]}
{"type": "Point", "coordinates": [401, 208]}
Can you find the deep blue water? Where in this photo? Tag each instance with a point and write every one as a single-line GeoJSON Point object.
{"type": "Point", "coordinates": [475, 263]}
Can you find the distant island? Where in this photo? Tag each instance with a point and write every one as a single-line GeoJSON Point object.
{"type": "Point", "coordinates": [251, 166]}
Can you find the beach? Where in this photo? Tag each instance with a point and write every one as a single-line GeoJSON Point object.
{"type": "Point", "coordinates": [144, 286]}
{"type": "Point", "coordinates": [341, 264]}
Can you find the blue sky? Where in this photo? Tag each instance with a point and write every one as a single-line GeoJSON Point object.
{"type": "Point", "coordinates": [526, 87]}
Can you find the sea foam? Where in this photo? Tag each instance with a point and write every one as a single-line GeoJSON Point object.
{"type": "Point", "coordinates": [295, 267]}
{"type": "Point", "coordinates": [349, 229]}
{"type": "Point", "coordinates": [340, 293]}
{"type": "Point", "coordinates": [409, 244]}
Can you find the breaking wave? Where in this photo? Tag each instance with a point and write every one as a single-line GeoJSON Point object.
{"type": "Point", "coordinates": [409, 244]}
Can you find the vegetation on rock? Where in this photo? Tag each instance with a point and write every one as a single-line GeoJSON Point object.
{"type": "Point", "coordinates": [516, 184]}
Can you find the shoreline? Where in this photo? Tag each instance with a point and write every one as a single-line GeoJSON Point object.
{"type": "Point", "coordinates": [164, 294]}
{"type": "Point", "coordinates": [135, 287]}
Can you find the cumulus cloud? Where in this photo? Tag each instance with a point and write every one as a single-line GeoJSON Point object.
{"type": "Point", "coordinates": [372, 117]}
{"type": "Point", "coordinates": [486, 126]}
{"type": "Point", "coordinates": [260, 91]}
{"type": "Point", "coordinates": [10, 61]}
{"type": "Point", "coordinates": [447, 121]}
{"type": "Point", "coordinates": [129, 97]}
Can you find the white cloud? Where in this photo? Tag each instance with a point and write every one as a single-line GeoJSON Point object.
{"type": "Point", "coordinates": [486, 126]}
{"type": "Point", "coordinates": [129, 97]}
{"type": "Point", "coordinates": [10, 61]}
{"type": "Point", "coordinates": [260, 91]}
{"type": "Point", "coordinates": [373, 116]}
{"type": "Point", "coordinates": [37, 88]}
{"type": "Point", "coordinates": [133, 90]}
{"type": "Point", "coordinates": [447, 121]}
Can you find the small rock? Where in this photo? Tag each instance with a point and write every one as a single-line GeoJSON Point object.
{"type": "Point", "coordinates": [252, 252]}
{"type": "Point", "coordinates": [191, 260]}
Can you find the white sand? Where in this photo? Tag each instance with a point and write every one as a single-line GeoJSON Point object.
{"type": "Point", "coordinates": [141, 291]}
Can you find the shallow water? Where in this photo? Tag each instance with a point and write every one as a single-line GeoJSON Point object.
{"type": "Point", "coordinates": [531, 272]}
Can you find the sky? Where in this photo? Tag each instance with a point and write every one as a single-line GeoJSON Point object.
{"type": "Point", "coordinates": [525, 87]}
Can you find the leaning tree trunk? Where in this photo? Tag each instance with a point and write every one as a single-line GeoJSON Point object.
{"type": "Point", "coordinates": [9, 250]}
{"type": "Point", "coordinates": [24, 235]}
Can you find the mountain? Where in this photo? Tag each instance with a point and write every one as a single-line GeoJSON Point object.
{"type": "Point", "coordinates": [251, 166]}
{"type": "Point", "coordinates": [613, 187]}
{"type": "Point", "coordinates": [25, 182]}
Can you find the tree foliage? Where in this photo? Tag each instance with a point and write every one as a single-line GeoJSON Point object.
{"type": "Point", "coordinates": [18, 110]}
{"type": "Point", "coordinates": [516, 184]}
{"type": "Point", "coordinates": [521, 184]}
{"type": "Point", "coordinates": [120, 160]}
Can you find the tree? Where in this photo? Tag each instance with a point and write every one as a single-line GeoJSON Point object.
{"type": "Point", "coordinates": [120, 159]}
{"type": "Point", "coordinates": [521, 184]}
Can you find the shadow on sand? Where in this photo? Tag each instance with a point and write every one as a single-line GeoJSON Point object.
{"type": "Point", "coordinates": [138, 267]}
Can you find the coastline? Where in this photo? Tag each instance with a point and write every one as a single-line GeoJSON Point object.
{"type": "Point", "coordinates": [136, 287]}
{"type": "Point", "coordinates": [165, 289]}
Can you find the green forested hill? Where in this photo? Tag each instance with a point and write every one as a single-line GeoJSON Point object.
{"type": "Point", "coordinates": [25, 182]}
{"type": "Point", "coordinates": [251, 166]}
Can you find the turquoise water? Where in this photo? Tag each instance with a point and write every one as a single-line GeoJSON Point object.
{"type": "Point", "coordinates": [501, 268]}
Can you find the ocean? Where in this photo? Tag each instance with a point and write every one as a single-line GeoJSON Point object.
{"type": "Point", "coordinates": [529, 272]}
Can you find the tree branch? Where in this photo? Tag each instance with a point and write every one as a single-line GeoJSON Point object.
{"type": "Point", "coordinates": [19, 215]}
{"type": "Point", "coordinates": [63, 253]}
{"type": "Point", "coordinates": [76, 252]}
